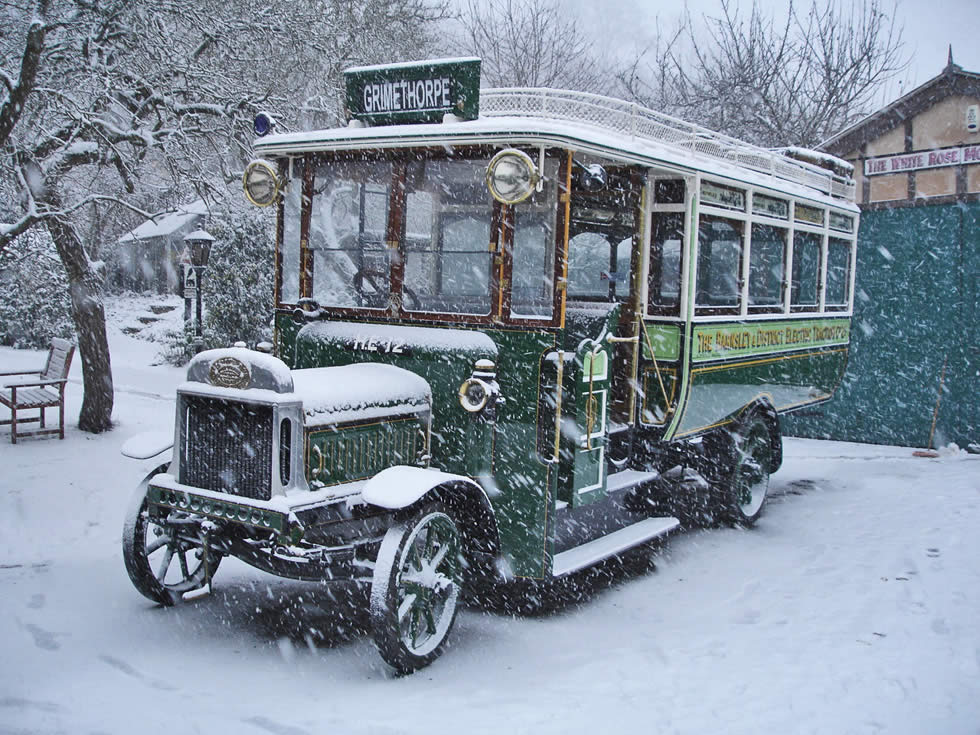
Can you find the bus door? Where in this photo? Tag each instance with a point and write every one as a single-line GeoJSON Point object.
{"type": "Point", "coordinates": [601, 322]}
{"type": "Point", "coordinates": [661, 338]}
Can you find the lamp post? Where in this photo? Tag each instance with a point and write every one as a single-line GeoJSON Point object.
{"type": "Point", "coordinates": [198, 245]}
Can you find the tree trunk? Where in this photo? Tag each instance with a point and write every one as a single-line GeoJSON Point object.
{"type": "Point", "coordinates": [88, 312]}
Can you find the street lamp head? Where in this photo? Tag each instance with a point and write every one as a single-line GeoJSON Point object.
{"type": "Point", "coordinates": [199, 245]}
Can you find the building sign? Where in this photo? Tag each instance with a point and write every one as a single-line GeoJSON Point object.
{"type": "Point", "coordinates": [190, 282]}
{"type": "Point", "coordinates": [723, 341]}
{"type": "Point", "coordinates": [922, 159]}
{"type": "Point", "coordinates": [418, 92]}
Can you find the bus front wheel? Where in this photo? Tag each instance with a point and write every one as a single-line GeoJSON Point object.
{"type": "Point", "coordinates": [415, 588]}
{"type": "Point", "coordinates": [165, 557]}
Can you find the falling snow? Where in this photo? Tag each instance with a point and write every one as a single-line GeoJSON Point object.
{"type": "Point", "coordinates": [850, 608]}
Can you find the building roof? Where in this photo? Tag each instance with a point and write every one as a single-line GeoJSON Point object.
{"type": "Point", "coordinates": [953, 80]}
{"type": "Point", "coordinates": [185, 218]}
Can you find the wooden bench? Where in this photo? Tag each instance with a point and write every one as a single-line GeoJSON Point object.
{"type": "Point", "coordinates": [47, 391]}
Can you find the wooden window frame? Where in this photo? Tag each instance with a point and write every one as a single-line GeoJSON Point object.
{"type": "Point", "coordinates": [500, 245]}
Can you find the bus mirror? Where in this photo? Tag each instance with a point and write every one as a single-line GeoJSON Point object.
{"type": "Point", "coordinates": [511, 176]}
{"type": "Point", "coordinates": [261, 183]}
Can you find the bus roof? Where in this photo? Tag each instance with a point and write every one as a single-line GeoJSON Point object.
{"type": "Point", "coordinates": [595, 124]}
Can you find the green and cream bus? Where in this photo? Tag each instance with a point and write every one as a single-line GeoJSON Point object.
{"type": "Point", "coordinates": [517, 332]}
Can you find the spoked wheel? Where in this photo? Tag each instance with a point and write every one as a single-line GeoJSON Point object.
{"type": "Point", "coordinates": [165, 556]}
{"type": "Point", "coordinates": [749, 483]}
{"type": "Point", "coordinates": [415, 589]}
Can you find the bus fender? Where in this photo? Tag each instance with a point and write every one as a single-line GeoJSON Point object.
{"type": "Point", "coordinates": [768, 413]}
{"type": "Point", "coordinates": [401, 486]}
{"type": "Point", "coordinates": [149, 444]}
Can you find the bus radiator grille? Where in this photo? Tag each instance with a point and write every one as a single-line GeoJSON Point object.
{"type": "Point", "coordinates": [227, 447]}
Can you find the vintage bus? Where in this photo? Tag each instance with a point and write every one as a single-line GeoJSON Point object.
{"type": "Point", "coordinates": [517, 332]}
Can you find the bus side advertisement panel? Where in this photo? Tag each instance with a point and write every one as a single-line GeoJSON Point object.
{"type": "Point", "coordinates": [789, 364]}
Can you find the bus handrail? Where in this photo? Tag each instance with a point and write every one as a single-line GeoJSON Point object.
{"type": "Point", "coordinates": [638, 122]}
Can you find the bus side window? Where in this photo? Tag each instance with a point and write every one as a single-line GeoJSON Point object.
{"type": "Point", "coordinates": [664, 282]}
{"type": "Point", "coordinates": [588, 267]}
{"type": "Point", "coordinates": [805, 292]}
{"type": "Point", "coordinates": [767, 266]}
{"type": "Point", "coordinates": [838, 274]}
{"type": "Point", "coordinates": [719, 265]}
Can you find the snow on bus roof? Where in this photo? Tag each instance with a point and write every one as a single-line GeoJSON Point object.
{"type": "Point", "coordinates": [590, 123]}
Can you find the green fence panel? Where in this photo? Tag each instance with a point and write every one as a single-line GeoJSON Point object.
{"type": "Point", "coordinates": [915, 309]}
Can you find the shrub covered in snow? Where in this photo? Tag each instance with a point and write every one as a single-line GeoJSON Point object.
{"type": "Point", "coordinates": [34, 302]}
{"type": "Point", "coordinates": [238, 284]}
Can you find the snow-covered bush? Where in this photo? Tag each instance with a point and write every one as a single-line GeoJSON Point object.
{"type": "Point", "coordinates": [238, 284]}
{"type": "Point", "coordinates": [34, 303]}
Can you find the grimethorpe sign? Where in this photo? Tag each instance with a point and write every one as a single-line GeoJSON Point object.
{"type": "Point", "coordinates": [417, 92]}
{"type": "Point", "coordinates": [922, 159]}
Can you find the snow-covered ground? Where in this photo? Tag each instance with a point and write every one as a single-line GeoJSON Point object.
{"type": "Point", "coordinates": [853, 607]}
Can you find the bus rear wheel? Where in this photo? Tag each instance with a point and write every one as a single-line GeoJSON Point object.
{"type": "Point", "coordinates": [416, 587]}
{"type": "Point", "coordinates": [744, 493]}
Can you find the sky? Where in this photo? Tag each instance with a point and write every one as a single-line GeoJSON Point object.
{"type": "Point", "coordinates": [928, 29]}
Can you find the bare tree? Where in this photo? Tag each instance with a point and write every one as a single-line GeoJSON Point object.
{"type": "Point", "coordinates": [531, 43]}
{"type": "Point", "coordinates": [114, 102]}
{"type": "Point", "coordinates": [790, 82]}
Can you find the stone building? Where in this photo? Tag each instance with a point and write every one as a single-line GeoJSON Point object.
{"type": "Point", "coordinates": [915, 336]}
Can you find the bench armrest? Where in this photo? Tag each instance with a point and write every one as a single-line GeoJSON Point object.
{"type": "Point", "coordinates": [37, 383]}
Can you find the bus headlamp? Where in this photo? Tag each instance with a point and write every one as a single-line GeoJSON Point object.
{"type": "Point", "coordinates": [511, 176]}
{"type": "Point", "coordinates": [261, 183]}
{"type": "Point", "coordinates": [474, 394]}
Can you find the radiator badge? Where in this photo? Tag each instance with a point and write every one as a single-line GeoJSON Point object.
{"type": "Point", "coordinates": [229, 372]}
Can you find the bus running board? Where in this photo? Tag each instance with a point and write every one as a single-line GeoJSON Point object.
{"type": "Point", "coordinates": [602, 548]}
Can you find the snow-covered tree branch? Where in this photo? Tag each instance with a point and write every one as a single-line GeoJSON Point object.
{"type": "Point", "coordinates": [535, 43]}
{"type": "Point", "coordinates": [793, 81]}
{"type": "Point", "coordinates": [140, 103]}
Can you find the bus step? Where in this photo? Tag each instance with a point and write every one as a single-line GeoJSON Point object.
{"type": "Point", "coordinates": [602, 548]}
{"type": "Point", "coordinates": [627, 479]}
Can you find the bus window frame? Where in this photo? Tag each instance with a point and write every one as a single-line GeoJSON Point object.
{"type": "Point", "coordinates": [507, 232]}
{"type": "Point", "coordinates": [834, 238]}
{"type": "Point", "coordinates": [655, 209]}
{"type": "Point", "coordinates": [502, 231]}
{"type": "Point", "coordinates": [398, 233]}
{"type": "Point", "coordinates": [780, 307]}
{"type": "Point", "coordinates": [500, 245]}
{"type": "Point", "coordinates": [791, 226]}
{"type": "Point", "coordinates": [821, 233]}
{"type": "Point", "coordinates": [741, 225]}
